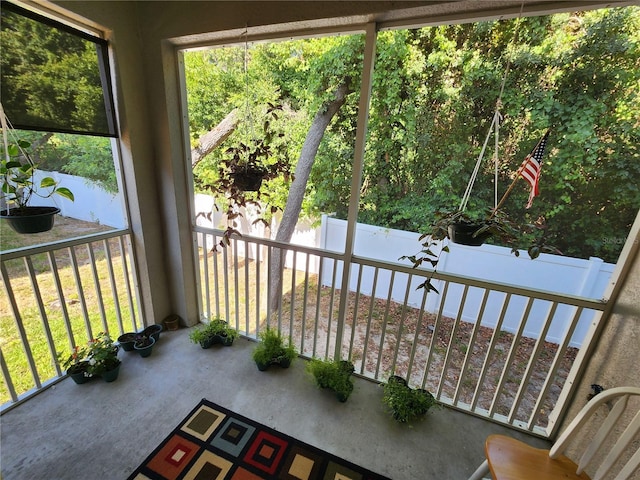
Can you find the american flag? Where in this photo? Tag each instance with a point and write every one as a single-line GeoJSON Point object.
{"type": "Point", "coordinates": [530, 168]}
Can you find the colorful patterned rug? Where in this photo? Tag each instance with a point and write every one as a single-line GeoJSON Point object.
{"type": "Point", "coordinates": [214, 443]}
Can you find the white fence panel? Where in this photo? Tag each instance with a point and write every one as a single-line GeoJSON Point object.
{"type": "Point", "coordinates": [92, 203]}
{"type": "Point", "coordinates": [553, 273]}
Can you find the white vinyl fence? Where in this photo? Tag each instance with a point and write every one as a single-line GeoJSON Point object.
{"type": "Point", "coordinates": [552, 273]}
{"type": "Point", "coordinates": [92, 203]}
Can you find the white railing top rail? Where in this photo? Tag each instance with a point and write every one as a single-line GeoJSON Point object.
{"type": "Point", "coordinates": [573, 300]}
{"type": "Point", "coordinates": [60, 244]}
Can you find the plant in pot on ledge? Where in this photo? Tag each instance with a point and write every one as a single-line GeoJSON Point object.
{"type": "Point", "coordinates": [272, 351]}
{"type": "Point", "coordinates": [244, 169]}
{"type": "Point", "coordinates": [103, 357]}
{"type": "Point", "coordinates": [334, 375]}
{"type": "Point", "coordinates": [18, 187]}
{"type": "Point", "coordinates": [216, 331]}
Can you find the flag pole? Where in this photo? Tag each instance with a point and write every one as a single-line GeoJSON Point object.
{"type": "Point", "coordinates": [513, 184]}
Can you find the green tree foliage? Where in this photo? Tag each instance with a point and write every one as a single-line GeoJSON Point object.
{"type": "Point", "coordinates": [434, 95]}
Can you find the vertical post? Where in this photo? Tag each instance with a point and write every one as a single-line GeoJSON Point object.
{"type": "Point", "coordinates": [356, 180]}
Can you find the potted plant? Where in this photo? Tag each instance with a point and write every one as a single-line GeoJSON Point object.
{"type": "Point", "coordinates": [244, 169]}
{"type": "Point", "coordinates": [126, 341]}
{"type": "Point", "coordinates": [334, 375]}
{"type": "Point", "coordinates": [19, 186]}
{"type": "Point", "coordinates": [77, 364]}
{"type": "Point", "coordinates": [103, 357]}
{"type": "Point", "coordinates": [272, 351]}
{"type": "Point", "coordinates": [405, 403]}
{"type": "Point", "coordinates": [144, 345]}
{"type": "Point", "coordinates": [216, 331]}
{"type": "Point", "coordinates": [153, 331]}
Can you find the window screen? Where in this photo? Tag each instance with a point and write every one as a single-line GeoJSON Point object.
{"type": "Point", "coordinates": [53, 77]}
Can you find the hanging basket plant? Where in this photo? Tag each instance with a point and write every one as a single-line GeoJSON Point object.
{"type": "Point", "coordinates": [247, 168]}
{"type": "Point", "coordinates": [19, 186]}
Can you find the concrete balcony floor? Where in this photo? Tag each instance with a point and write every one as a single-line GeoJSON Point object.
{"type": "Point", "coordinates": [104, 430]}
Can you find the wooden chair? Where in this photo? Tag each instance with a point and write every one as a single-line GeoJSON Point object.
{"type": "Point", "coordinates": [511, 459]}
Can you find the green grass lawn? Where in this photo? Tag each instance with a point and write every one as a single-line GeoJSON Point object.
{"type": "Point", "coordinates": [43, 313]}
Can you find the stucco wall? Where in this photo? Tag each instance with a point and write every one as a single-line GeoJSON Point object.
{"type": "Point", "coordinates": [615, 360]}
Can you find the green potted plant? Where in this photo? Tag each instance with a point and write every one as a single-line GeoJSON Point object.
{"type": "Point", "coordinates": [334, 375]}
{"type": "Point", "coordinates": [19, 186]}
{"type": "Point", "coordinates": [103, 357]}
{"type": "Point", "coordinates": [405, 403]}
{"type": "Point", "coordinates": [271, 350]}
{"type": "Point", "coordinates": [216, 331]}
{"type": "Point", "coordinates": [244, 169]}
{"type": "Point", "coordinates": [76, 364]}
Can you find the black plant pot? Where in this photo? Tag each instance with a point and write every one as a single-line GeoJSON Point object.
{"type": "Point", "coordinates": [463, 234]}
{"type": "Point", "coordinates": [31, 219]}
{"type": "Point", "coordinates": [248, 181]}
{"type": "Point", "coordinates": [126, 341]}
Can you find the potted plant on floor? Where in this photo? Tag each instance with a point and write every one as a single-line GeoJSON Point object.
{"type": "Point", "coordinates": [334, 375]}
{"type": "Point", "coordinates": [144, 345]}
{"type": "Point", "coordinates": [103, 357]}
{"type": "Point", "coordinates": [272, 351]}
{"type": "Point", "coordinates": [214, 332]}
{"type": "Point", "coordinates": [77, 364]}
{"type": "Point", "coordinates": [405, 403]}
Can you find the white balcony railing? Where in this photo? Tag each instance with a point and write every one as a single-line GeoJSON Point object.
{"type": "Point", "coordinates": [59, 295]}
{"type": "Point", "coordinates": [491, 367]}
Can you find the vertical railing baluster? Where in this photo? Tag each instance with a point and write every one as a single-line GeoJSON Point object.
{"type": "Point", "coordinates": [555, 366]}
{"type": "Point", "coordinates": [6, 376]}
{"type": "Point", "coordinates": [80, 290]}
{"type": "Point", "coordinates": [416, 337]}
{"type": "Point", "coordinates": [403, 317]}
{"type": "Point", "coordinates": [96, 283]}
{"type": "Point", "coordinates": [53, 266]}
{"type": "Point", "coordinates": [437, 326]}
{"type": "Point", "coordinates": [114, 288]}
{"type": "Point", "coordinates": [332, 298]}
{"type": "Point", "coordinates": [354, 323]}
{"type": "Point", "coordinates": [126, 278]}
{"type": "Point", "coordinates": [385, 320]}
{"type": "Point", "coordinates": [490, 351]}
{"type": "Point", "coordinates": [258, 315]}
{"type": "Point", "coordinates": [533, 358]}
{"type": "Point", "coordinates": [472, 340]}
{"type": "Point", "coordinates": [204, 295]}
{"type": "Point", "coordinates": [133, 281]}
{"type": "Point", "coordinates": [43, 313]}
{"type": "Point", "coordinates": [292, 308]}
{"type": "Point", "coordinates": [26, 348]}
{"type": "Point", "coordinates": [305, 296]}
{"type": "Point", "coordinates": [512, 352]}
{"type": "Point", "coordinates": [454, 330]}
{"type": "Point", "coordinates": [318, 302]}
{"type": "Point", "coordinates": [367, 335]}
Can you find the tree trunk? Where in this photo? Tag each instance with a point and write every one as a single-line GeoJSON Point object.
{"type": "Point", "coordinates": [298, 186]}
{"type": "Point", "coordinates": [214, 137]}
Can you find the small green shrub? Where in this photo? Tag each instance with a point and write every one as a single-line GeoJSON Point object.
{"type": "Point", "coordinates": [216, 326]}
{"type": "Point", "coordinates": [272, 348]}
{"type": "Point", "coordinates": [332, 374]}
{"type": "Point", "coordinates": [405, 403]}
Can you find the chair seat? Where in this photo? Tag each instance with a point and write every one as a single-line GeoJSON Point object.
{"type": "Point", "coordinates": [510, 459]}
